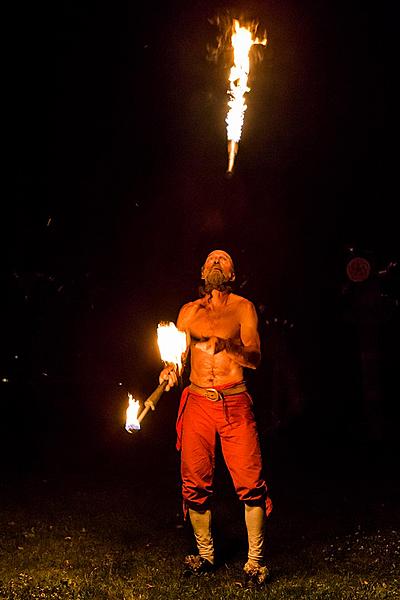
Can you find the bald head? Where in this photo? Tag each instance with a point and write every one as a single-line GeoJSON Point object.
{"type": "Point", "coordinates": [220, 252]}
{"type": "Point", "coordinates": [218, 261]}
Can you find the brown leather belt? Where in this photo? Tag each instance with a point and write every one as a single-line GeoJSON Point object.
{"type": "Point", "coordinates": [214, 395]}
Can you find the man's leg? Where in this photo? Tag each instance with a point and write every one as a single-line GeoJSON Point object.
{"type": "Point", "coordinates": [201, 523]}
{"type": "Point", "coordinates": [241, 449]}
{"type": "Point", "coordinates": [255, 568]}
{"type": "Point", "coordinates": [255, 520]}
{"type": "Point", "coordinates": [197, 469]}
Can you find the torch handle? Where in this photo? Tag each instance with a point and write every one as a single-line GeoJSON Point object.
{"type": "Point", "coordinates": [152, 400]}
{"type": "Point", "coordinates": [232, 151]}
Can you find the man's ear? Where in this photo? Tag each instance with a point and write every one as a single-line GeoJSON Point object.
{"type": "Point", "coordinates": [232, 277]}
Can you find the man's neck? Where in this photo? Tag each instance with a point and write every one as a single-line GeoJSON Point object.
{"type": "Point", "coordinates": [218, 298]}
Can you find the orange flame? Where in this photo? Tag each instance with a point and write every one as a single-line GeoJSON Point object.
{"type": "Point", "coordinates": [171, 343]}
{"type": "Point", "coordinates": [132, 423]}
{"type": "Point", "coordinates": [242, 41]}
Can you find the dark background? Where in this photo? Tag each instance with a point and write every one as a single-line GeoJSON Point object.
{"type": "Point", "coordinates": [114, 191]}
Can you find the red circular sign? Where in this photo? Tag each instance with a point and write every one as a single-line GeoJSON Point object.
{"type": "Point", "coordinates": [358, 269]}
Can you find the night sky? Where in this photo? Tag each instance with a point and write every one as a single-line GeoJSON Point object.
{"type": "Point", "coordinates": [115, 163]}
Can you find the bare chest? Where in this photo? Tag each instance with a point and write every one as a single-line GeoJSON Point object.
{"type": "Point", "coordinates": [209, 322]}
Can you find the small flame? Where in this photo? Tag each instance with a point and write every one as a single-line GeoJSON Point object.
{"type": "Point", "coordinates": [132, 424]}
{"type": "Point", "coordinates": [171, 343]}
{"type": "Point", "coordinates": [242, 41]}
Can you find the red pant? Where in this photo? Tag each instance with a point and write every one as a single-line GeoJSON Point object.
{"type": "Point", "coordinates": [199, 422]}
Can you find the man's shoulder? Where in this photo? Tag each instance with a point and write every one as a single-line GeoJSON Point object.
{"type": "Point", "coordinates": [192, 304]}
{"type": "Point", "coordinates": [241, 301]}
{"type": "Point", "coordinates": [190, 307]}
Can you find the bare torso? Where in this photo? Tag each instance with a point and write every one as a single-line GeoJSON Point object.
{"type": "Point", "coordinates": [226, 317]}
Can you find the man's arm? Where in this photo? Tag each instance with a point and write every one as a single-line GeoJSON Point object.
{"type": "Point", "coordinates": [247, 353]}
{"type": "Point", "coordinates": [182, 324]}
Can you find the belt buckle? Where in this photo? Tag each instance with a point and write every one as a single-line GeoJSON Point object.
{"type": "Point", "coordinates": [212, 394]}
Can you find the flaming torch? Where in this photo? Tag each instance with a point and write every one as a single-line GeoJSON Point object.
{"type": "Point", "coordinates": [172, 345]}
{"type": "Point", "coordinates": [242, 40]}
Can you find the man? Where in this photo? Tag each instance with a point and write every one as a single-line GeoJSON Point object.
{"type": "Point", "coordinates": [223, 340]}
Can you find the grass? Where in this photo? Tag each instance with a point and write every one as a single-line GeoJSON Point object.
{"type": "Point", "coordinates": [110, 534]}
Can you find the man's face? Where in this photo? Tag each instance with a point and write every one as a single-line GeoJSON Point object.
{"type": "Point", "coordinates": [218, 268]}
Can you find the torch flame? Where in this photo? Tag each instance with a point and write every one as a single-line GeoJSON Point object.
{"type": "Point", "coordinates": [242, 41]}
{"type": "Point", "coordinates": [171, 343]}
{"type": "Point", "coordinates": [132, 423]}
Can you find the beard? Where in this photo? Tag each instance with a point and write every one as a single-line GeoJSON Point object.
{"type": "Point", "coordinates": [215, 280]}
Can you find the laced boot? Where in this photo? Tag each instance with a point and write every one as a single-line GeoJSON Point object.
{"type": "Point", "coordinates": [194, 564]}
{"type": "Point", "coordinates": [255, 575]}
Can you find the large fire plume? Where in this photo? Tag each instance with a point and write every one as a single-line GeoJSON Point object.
{"type": "Point", "coordinates": [242, 40]}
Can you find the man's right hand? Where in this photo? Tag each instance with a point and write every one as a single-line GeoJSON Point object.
{"type": "Point", "coordinates": [169, 374]}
